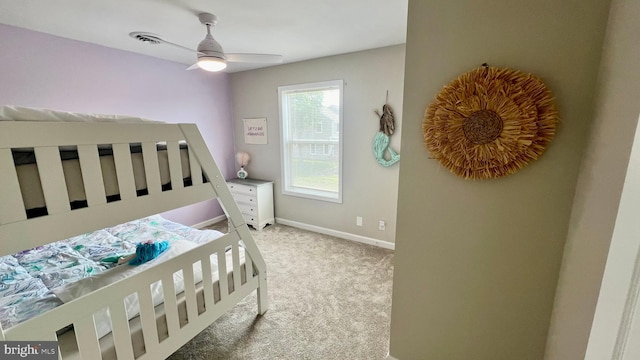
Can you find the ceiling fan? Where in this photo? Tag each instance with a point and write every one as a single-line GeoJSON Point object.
{"type": "Point", "coordinates": [211, 57]}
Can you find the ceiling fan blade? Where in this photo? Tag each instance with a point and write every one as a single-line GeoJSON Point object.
{"type": "Point", "coordinates": [254, 58]}
{"type": "Point", "coordinates": [193, 67]}
{"type": "Point", "coordinates": [177, 45]}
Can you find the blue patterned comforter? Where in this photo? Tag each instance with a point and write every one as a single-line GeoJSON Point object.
{"type": "Point", "coordinates": [28, 278]}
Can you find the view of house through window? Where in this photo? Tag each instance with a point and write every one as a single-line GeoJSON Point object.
{"type": "Point", "coordinates": [311, 117]}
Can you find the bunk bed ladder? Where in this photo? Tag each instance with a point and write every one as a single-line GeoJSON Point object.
{"type": "Point", "coordinates": [234, 216]}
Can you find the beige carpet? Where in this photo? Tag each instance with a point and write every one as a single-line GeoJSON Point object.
{"type": "Point", "coordinates": [329, 299]}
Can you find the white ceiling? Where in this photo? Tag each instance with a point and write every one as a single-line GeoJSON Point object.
{"type": "Point", "coordinates": [297, 29]}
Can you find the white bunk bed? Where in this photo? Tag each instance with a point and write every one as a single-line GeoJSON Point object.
{"type": "Point", "coordinates": [159, 330]}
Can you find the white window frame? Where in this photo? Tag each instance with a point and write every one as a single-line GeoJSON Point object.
{"type": "Point", "coordinates": [287, 188]}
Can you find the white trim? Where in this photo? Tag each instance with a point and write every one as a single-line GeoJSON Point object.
{"type": "Point", "coordinates": [630, 308]}
{"type": "Point", "coordinates": [318, 229]}
{"type": "Point", "coordinates": [336, 233]}
{"type": "Point", "coordinates": [389, 357]}
{"type": "Point", "coordinates": [285, 137]}
{"type": "Point", "coordinates": [616, 317]}
{"type": "Point", "coordinates": [209, 222]}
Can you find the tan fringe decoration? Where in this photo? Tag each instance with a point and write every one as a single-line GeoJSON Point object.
{"type": "Point", "coordinates": [490, 122]}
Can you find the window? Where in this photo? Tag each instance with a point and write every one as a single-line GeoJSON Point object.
{"type": "Point", "coordinates": [316, 173]}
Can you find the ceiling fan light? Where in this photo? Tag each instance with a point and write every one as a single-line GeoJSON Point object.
{"type": "Point", "coordinates": [211, 64]}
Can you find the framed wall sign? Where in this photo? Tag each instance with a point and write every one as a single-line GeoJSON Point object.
{"type": "Point", "coordinates": [255, 131]}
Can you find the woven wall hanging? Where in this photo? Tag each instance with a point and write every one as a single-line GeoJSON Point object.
{"type": "Point", "coordinates": [381, 140]}
{"type": "Point", "coordinates": [490, 122]}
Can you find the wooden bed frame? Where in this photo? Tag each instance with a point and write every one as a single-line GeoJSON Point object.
{"type": "Point", "coordinates": [19, 233]}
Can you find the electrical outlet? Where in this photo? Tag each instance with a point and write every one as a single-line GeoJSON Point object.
{"type": "Point", "coordinates": [358, 220]}
{"type": "Point", "coordinates": [381, 225]}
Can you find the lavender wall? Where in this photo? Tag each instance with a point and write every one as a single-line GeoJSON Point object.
{"type": "Point", "coordinates": [40, 70]}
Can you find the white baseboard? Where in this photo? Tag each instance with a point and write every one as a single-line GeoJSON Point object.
{"type": "Point", "coordinates": [314, 228]}
{"type": "Point", "coordinates": [336, 233]}
{"type": "Point", "coordinates": [209, 222]}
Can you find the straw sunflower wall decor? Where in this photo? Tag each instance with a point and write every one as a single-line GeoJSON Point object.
{"type": "Point", "coordinates": [490, 122]}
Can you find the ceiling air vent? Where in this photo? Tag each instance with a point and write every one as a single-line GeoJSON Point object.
{"type": "Point", "coordinates": [145, 37]}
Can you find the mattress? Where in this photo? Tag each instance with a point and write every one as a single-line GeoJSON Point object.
{"type": "Point", "coordinates": [30, 280]}
{"type": "Point", "coordinates": [23, 113]}
{"type": "Point", "coordinates": [31, 187]}
{"type": "Point", "coordinates": [29, 177]}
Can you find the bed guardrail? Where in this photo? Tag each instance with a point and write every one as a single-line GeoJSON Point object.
{"type": "Point", "coordinates": [155, 334]}
{"type": "Point", "coordinates": [46, 140]}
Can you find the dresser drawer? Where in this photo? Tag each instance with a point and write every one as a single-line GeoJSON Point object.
{"type": "Point", "coordinates": [248, 209]}
{"type": "Point", "coordinates": [244, 198]}
{"type": "Point", "coordinates": [242, 189]}
{"type": "Point", "coordinates": [250, 219]}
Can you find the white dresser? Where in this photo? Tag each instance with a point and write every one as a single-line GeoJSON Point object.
{"type": "Point", "coordinates": [255, 200]}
